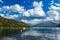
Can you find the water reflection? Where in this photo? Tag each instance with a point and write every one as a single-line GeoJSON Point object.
{"type": "Point", "coordinates": [37, 33]}
{"type": "Point", "coordinates": [8, 38]}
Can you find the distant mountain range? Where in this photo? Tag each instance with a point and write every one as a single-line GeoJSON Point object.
{"type": "Point", "coordinates": [13, 23]}
{"type": "Point", "coordinates": [58, 25]}
{"type": "Point", "coordinates": [46, 24]}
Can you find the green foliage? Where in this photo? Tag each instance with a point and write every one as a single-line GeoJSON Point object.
{"type": "Point", "coordinates": [11, 25]}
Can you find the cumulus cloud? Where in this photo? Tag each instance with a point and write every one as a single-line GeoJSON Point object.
{"type": "Point", "coordinates": [1, 1]}
{"type": "Point", "coordinates": [57, 4]}
{"type": "Point", "coordinates": [36, 11]}
{"type": "Point", "coordinates": [54, 7]}
{"type": "Point", "coordinates": [36, 21]}
{"type": "Point", "coordinates": [13, 8]}
{"type": "Point", "coordinates": [10, 9]}
{"type": "Point", "coordinates": [54, 13]}
{"type": "Point", "coordinates": [32, 22]}
{"type": "Point", "coordinates": [12, 16]}
{"type": "Point", "coordinates": [2, 15]}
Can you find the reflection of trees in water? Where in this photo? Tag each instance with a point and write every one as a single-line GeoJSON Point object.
{"type": "Point", "coordinates": [11, 31]}
{"type": "Point", "coordinates": [8, 38]}
{"type": "Point", "coordinates": [46, 36]}
{"type": "Point", "coordinates": [8, 32]}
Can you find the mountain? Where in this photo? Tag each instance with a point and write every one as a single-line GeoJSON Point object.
{"type": "Point", "coordinates": [46, 24]}
{"type": "Point", "coordinates": [11, 23]}
{"type": "Point", "coordinates": [58, 25]}
{"type": "Point", "coordinates": [9, 26]}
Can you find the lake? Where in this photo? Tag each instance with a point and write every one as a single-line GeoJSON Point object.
{"type": "Point", "coordinates": [36, 33]}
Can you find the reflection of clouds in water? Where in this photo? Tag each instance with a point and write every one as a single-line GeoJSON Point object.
{"type": "Point", "coordinates": [8, 38]}
{"type": "Point", "coordinates": [35, 34]}
{"type": "Point", "coordinates": [31, 33]}
{"type": "Point", "coordinates": [58, 36]}
{"type": "Point", "coordinates": [54, 35]}
{"type": "Point", "coordinates": [52, 28]}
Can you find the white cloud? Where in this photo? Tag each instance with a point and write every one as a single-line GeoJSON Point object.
{"type": "Point", "coordinates": [2, 15]}
{"type": "Point", "coordinates": [10, 9]}
{"type": "Point", "coordinates": [26, 13]}
{"type": "Point", "coordinates": [54, 7]}
{"type": "Point", "coordinates": [37, 4]}
{"type": "Point", "coordinates": [36, 11]}
{"type": "Point", "coordinates": [32, 22]}
{"type": "Point", "coordinates": [0, 9]}
{"type": "Point", "coordinates": [12, 16]}
{"type": "Point", "coordinates": [36, 21]}
{"type": "Point", "coordinates": [13, 8]}
{"type": "Point", "coordinates": [57, 4]}
{"type": "Point", "coordinates": [52, 2]}
{"type": "Point", "coordinates": [1, 1]}
{"type": "Point", "coordinates": [17, 8]}
{"type": "Point", "coordinates": [54, 13]}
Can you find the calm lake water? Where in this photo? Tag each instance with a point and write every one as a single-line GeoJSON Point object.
{"type": "Point", "coordinates": [37, 33]}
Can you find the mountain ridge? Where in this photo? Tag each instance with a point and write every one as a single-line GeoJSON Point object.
{"type": "Point", "coordinates": [46, 24]}
{"type": "Point", "coordinates": [9, 26]}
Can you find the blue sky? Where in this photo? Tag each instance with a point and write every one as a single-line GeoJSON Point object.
{"type": "Point", "coordinates": [26, 3]}
{"type": "Point", "coordinates": [30, 11]}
